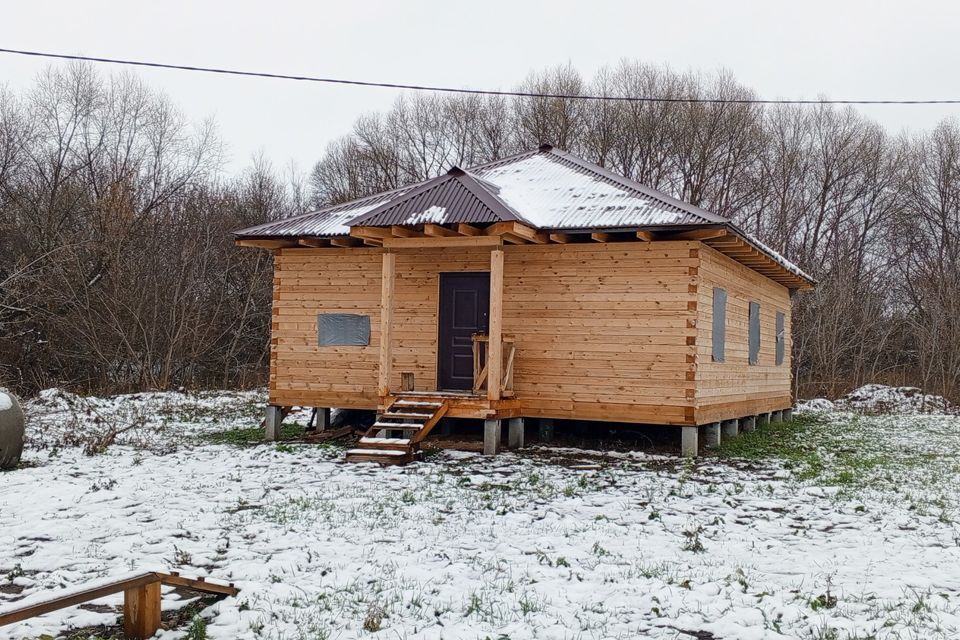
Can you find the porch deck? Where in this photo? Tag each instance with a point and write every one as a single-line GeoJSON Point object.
{"type": "Point", "coordinates": [461, 404]}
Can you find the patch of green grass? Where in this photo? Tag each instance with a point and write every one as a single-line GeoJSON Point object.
{"type": "Point", "coordinates": [197, 629]}
{"type": "Point", "coordinates": [815, 449]}
{"type": "Point", "coordinates": [854, 453]}
{"type": "Point", "coordinates": [794, 442]}
{"type": "Point", "coordinates": [251, 435]}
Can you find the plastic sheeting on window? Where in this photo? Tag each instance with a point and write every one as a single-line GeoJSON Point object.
{"type": "Point", "coordinates": [719, 323]}
{"type": "Point", "coordinates": [754, 332]}
{"type": "Point", "coordinates": [343, 330]}
{"type": "Point", "coordinates": [781, 337]}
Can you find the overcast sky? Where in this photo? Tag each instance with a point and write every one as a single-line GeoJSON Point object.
{"type": "Point", "coordinates": [837, 48]}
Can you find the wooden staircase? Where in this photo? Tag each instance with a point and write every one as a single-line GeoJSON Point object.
{"type": "Point", "coordinates": [396, 435]}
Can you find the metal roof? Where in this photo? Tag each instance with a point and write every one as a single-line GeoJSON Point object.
{"type": "Point", "coordinates": [454, 197]}
{"type": "Point", "coordinates": [547, 188]}
{"type": "Point", "coordinates": [327, 222]}
{"type": "Point", "coordinates": [557, 190]}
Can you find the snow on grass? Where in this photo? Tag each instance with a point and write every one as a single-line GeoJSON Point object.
{"type": "Point", "coordinates": [836, 525]}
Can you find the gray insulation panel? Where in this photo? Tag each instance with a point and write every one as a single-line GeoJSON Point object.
{"type": "Point", "coordinates": [781, 337]}
{"type": "Point", "coordinates": [719, 323]}
{"type": "Point", "coordinates": [754, 332]}
{"type": "Point", "coordinates": [343, 330]}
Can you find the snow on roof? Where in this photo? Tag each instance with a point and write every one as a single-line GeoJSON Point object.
{"type": "Point", "coordinates": [558, 191]}
{"type": "Point", "coordinates": [776, 257]}
{"type": "Point", "coordinates": [326, 222]}
{"type": "Point", "coordinates": [546, 188]}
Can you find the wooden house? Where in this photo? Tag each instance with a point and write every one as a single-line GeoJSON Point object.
{"type": "Point", "coordinates": [536, 286]}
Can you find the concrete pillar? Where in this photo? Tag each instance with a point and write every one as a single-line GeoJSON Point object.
{"type": "Point", "coordinates": [273, 420]}
{"type": "Point", "coordinates": [515, 433]}
{"type": "Point", "coordinates": [319, 419]}
{"type": "Point", "coordinates": [730, 428]}
{"type": "Point", "coordinates": [763, 419]}
{"type": "Point", "coordinates": [546, 429]}
{"type": "Point", "coordinates": [748, 424]}
{"type": "Point", "coordinates": [776, 416]}
{"type": "Point", "coordinates": [491, 437]}
{"type": "Point", "coordinates": [788, 414]}
{"type": "Point", "coordinates": [688, 442]}
{"type": "Point", "coordinates": [711, 435]}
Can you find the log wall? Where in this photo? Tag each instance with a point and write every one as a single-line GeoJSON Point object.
{"type": "Point", "coordinates": [735, 388]}
{"type": "Point", "coordinates": [604, 331]}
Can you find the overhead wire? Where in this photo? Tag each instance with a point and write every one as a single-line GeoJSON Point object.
{"type": "Point", "coordinates": [460, 90]}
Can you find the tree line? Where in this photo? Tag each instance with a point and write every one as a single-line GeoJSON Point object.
{"type": "Point", "coordinates": [117, 269]}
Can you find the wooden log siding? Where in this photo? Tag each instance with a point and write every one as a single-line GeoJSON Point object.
{"type": "Point", "coordinates": [312, 281]}
{"type": "Point", "coordinates": [603, 331]}
{"type": "Point", "coordinates": [734, 388]}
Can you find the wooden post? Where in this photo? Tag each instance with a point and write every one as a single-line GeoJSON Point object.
{"type": "Point", "coordinates": [141, 611]}
{"type": "Point", "coordinates": [323, 418]}
{"type": "Point", "coordinates": [386, 323]}
{"type": "Point", "coordinates": [495, 346]}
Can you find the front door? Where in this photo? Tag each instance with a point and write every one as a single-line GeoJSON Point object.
{"type": "Point", "coordinates": [464, 311]}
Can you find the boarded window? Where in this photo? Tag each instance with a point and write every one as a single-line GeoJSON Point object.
{"type": "Point", "coordinates": [754, 332]}
{"type": "Point", "coordinates": [343, 330]}
{"type": "Point", "coordinates": [719, 323]}
{"type": "Point", "coordinates": [781, 337]}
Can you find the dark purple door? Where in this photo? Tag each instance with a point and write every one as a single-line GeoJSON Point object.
{"type": "Point", "coordinates": [464, 311]}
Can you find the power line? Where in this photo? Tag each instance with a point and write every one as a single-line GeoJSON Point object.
{"type": "Point", "coordinates": [482, 92]}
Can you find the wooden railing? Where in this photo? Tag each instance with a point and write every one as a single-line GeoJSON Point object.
{"type": "Point", "coordinates": [480, 350]}
{"type": "Point", "coordinates": [141, 599]}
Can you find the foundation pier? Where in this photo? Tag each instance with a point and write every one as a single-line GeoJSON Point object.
{"type": "Point", "coordinates": [491, 437]}
{"type": "Point", "coordinates": [689, 442]}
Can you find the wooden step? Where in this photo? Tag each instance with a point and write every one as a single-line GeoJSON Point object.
{"type": "Point", "coordinates": [436, 394]}
{"type": "Point", "coordinates": [383, 456]}
{"type": "Point", "coordinates": [408, 416]}
{"type": "Point", "coordinates": [386, 443]}
{"type": "Point", "coordinates": [417, 403]}
{"type": "Point", "coordinates": [406, 426]}
{"type": "Point", "coordinates": [422, 417]}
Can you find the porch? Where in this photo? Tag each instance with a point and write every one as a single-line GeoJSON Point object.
{"type": "Point", "coordinates": [487, 393]}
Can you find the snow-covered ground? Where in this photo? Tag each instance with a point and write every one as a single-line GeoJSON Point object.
{"type": "Point", "coordinates": [840, 525]}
